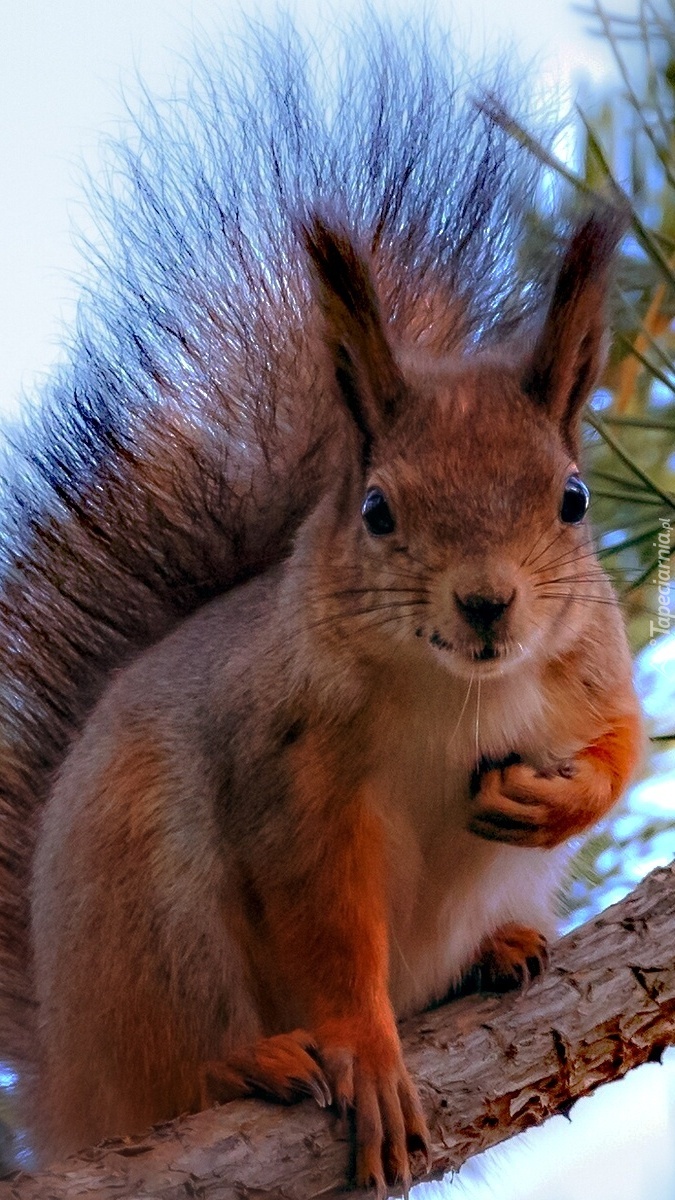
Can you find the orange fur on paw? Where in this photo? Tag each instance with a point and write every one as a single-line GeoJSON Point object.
{"type": "Point", "coordinates": [368, 1076]}
{"type": "Point", "coordinates": [279, 1068]}
{"type": "Point", "coordinates": [328, 922]}
{"type": "Point", "coordinates": [326, 918]}
{"type": "Point", "coordinates": [512, 956]}
{"type": "Point", "coordinates": [524, 806]}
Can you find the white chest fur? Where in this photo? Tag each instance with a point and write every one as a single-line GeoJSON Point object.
{"type": "Point", "coordinates": [448, 889]}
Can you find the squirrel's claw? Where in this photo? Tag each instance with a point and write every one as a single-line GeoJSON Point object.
{"type": "Point", "coordinates": [386, 1135]}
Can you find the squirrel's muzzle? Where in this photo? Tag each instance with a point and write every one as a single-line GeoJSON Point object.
{"type": "Point", "coordinates": [483, 613]}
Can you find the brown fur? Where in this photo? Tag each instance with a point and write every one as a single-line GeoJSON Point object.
{"type": "Point", "coordinates": [263, 848]}
{"type": "Point", "coordinates": [142, 1055]}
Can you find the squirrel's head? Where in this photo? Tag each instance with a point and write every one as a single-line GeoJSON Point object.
{"type": "Point", "coordinates": [460, 528]}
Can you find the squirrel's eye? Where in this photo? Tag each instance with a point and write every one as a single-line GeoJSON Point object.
{"type": "Point", "coordinates": [576, 498]}
{"type": "Point", "coordinates": [376, 513]}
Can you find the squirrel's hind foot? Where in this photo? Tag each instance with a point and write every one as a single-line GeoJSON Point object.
{"type": "Point", "coordinates": [391, 1137]}
{"type": "Point", "coordinates": [281, 1068]}
{"type": "Point", "coordinates": [512, 956]}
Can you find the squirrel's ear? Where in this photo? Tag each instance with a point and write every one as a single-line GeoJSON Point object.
{"type": "Point", "coordinates": [570, 350]}
{"type": "Point", "coordinates": [367, 376]}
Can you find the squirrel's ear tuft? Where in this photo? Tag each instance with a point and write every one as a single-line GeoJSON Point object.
{"type": "Point", "coordinates": [366, 373]}
{"type": "Point", "coordinates": [570, 350]}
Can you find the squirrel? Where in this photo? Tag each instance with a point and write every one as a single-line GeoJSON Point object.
{"type": "Point", "coordinates": [310, 669]}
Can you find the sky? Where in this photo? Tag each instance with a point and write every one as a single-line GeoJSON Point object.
{"type": "Point", "coordinates": [63, 67]}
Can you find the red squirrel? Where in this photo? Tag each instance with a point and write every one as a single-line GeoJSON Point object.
{"type": "Point", "coordinates": [367, 722]}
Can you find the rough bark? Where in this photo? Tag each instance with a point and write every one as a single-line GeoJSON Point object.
{"type": "Point", "coordinates": [487, 1068]}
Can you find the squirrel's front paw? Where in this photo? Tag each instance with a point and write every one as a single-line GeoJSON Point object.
{"type": "Point", "coordinates": [527, 807]}
{"type": "Point", "coordinates": [367, 1075]}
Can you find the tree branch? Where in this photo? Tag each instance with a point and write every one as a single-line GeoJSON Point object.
{"type": "Point", "coordinates": [487, 1068]}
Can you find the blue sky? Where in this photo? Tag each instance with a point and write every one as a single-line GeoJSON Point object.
{"type": "Point", "coordinates": [63, 66]}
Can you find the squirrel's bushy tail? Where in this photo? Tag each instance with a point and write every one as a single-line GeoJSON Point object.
{"type": "Point", "coordinates": [188, 435]}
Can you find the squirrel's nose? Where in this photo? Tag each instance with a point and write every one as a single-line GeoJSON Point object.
{"type": "Point", "coordinates": [483, 612]}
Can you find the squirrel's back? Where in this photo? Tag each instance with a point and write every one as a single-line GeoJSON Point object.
{"type": "Point", "coordinates": [188, 435]}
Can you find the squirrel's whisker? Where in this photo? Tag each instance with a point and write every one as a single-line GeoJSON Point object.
{"type": "Point", "coordinates": [613, 603]}
{"type": "Point", "coordinates": [372, 591]}
{"type": "Point", "coordinates": [403, 608]}
{"type": "Point", "coordinates": [462, 710]}
{"type": "Point", "coordinates": [598, 578]}
{"type": "Point", "coordinates": [396, 573]}
{"type": "Point", "coordinates": [585, 550]}
{"type": "Point", "coordinates": [478, 755]}
{"type": "Point", "coordinates": [527, 561]}
{"type": "Point", "coordinates": [557, 537]}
